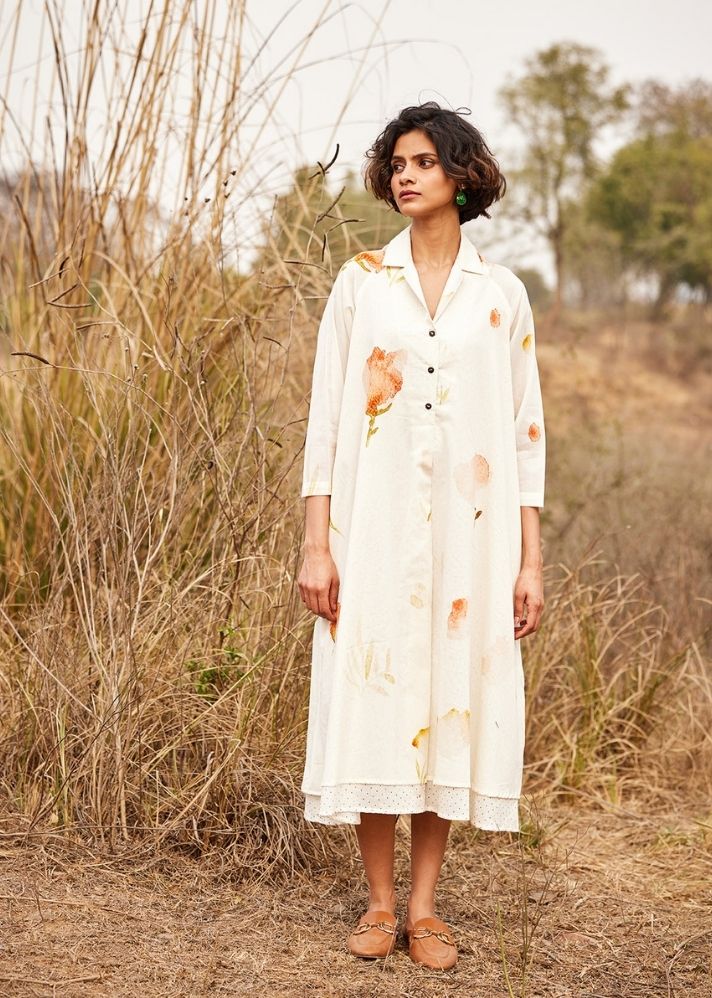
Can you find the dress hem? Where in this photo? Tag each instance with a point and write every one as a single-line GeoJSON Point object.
{"type": "Point", "coordinates": [342, 804]}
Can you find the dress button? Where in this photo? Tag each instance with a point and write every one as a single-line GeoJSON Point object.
{"type": "Point", "coordinates": [431, 332]}
{"type": "Point", "coordinates": [431, 369]}
{"type": "Point", "coordinates": [428, 405]}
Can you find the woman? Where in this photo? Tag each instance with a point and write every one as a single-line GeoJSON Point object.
{"type": "Point", "coordinates": [423, 478]}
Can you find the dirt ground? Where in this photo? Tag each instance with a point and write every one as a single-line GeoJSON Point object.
{"type": "Point", "coordinates": [609, 905]}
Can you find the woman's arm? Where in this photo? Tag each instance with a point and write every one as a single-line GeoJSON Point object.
{"type": "Point", "coordinates": [531, 464]}
{"type": "Point", "coordinates": [529, 588]}
{"type": "Point", "coordinates": [327, 387]}
{"type": "Point", "coordinates": [530, 432]}
{"type": "Point", "coordinates": [318, 578]}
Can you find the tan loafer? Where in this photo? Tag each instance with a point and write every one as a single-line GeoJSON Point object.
{"type": "Point", "coordinates": [374, 936]}
{"type": "Point", "coordinates": [430, 942]}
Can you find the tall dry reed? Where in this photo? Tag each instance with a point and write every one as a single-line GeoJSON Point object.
{"type": "Point", "coordinates": [154, 669]}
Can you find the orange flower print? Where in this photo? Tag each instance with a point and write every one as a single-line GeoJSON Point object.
{"type": "Point", "coordinates": [534, 431]}
{"type": "Point", "coordinates": [457, 618]}
{"type": "Point", "coordinates": [334, 623]}
{"type": "Point", "coordinates": [470, 476]}
{"type": "Point", "coordinates": [383, 380]}
{"type": "Point", "coordinates": [370, 259]}
{"type": "Point", "coordinates": [527, 341]}
{"type": "Point", "coordinates": [453, 732]}
{"type": "Point", "coordinates": [495, 317]}
{"type": "Point", "coordinates": [495, 655]}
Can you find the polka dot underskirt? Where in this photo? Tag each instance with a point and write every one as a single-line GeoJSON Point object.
{"type": "Point", "coordinates": [343, 804]}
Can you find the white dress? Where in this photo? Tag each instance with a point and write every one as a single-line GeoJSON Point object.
{"type": "Point", "coordinates": [428, 434]}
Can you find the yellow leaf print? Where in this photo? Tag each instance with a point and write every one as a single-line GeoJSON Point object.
{"type": "Point", "coordinates": [368, 662]}
{"type": "Point", "coordinates": [457, 618]}
{"type": "Point", "coordinates": [495, 317]}
{"type": "Point", "coordinates": [420, 742]}
{"type": "Point", "coordinates": [443, 394]}
{"type": "Point", "coordinates": [420, 737]}
{"type": "Point", "coordinates": [367, 670]}
{"type": "Point", "coordinates": [417, 597]}
{"type": "Point", "coordinates": [534, 432]}
{"type": "Point", "coordinates": [370, 259]}
{"type": "Point", "coordinates": [382, 379]}
{"type": "Point", "coordinates": [334, 527]}
{"type": "Point", "coordinates": [394, 278]}
{"type": "Point", "coordinates": [527, 341]}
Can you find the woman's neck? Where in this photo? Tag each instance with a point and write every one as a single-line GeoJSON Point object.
{"type": "Point", "coordinates": [435, 242]}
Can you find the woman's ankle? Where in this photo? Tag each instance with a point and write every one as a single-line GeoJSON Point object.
{"type": "Point", "coordinates": [419, 907]}
{"type": "Point", "coordinates": [382, 902]}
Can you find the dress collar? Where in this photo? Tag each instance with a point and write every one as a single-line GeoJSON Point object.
{"type": "Point", "coordinates": [398, 253]}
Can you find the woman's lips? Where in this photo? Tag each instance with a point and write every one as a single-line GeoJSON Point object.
{"type": "Point", "coordinates": [409, 194]}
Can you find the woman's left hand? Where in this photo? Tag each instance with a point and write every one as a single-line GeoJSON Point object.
{"type": "Point", "coordinates": [529, 592]}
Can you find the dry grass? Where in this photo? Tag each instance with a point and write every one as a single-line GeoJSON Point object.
{"type": "Point", "coordinates": [614, 905]}
{"type": "Point", "coordinates": [154, 652]}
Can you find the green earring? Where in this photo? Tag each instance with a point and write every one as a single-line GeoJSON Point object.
{"type": "Point", "coordinates": [461, 198]}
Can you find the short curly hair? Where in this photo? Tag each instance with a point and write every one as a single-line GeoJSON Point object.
{"type": "Point", "coordinates": [463, 152]}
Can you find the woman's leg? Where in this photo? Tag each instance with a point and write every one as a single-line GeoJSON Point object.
{"type": "Point", "coordinates": [376, 837]}
{"type": "Point", "coordinates": [428, 835]}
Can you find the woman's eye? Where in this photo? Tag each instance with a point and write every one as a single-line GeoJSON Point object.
{"type": "Point", "coordinates": [423, 162]}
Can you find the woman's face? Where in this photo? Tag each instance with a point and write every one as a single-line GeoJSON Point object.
{"type": "Point", "coordinates": [416, 167]}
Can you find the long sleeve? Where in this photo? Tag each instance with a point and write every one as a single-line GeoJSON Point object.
{"type": "Point", "coordinates": [528, 407]}
{"type": "Point", "coordinates": [327, 386]}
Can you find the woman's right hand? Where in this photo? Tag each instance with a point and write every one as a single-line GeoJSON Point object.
{"type": "Point", "coordinates": [318, 582]}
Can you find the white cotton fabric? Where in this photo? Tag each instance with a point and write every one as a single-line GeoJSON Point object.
{"type": "Point", "coordinates": [417, 692]}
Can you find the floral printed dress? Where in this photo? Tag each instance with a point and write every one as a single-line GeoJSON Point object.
{"type": "Point", "coordinates": [428, 434]}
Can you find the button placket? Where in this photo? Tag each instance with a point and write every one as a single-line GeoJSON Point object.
{"type": "Point", "coordinates": [431, 369]}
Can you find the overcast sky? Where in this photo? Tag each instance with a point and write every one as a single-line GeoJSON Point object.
{"type": "Point", "coordinates": [369, 60]}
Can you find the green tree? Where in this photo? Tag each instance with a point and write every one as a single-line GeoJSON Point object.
{"type": "Point", "coordinates": [560, 103]}
{"type": "Point", "coordinates": [595, 272]}
{"type": "Point", "coordinates": [656, 195]}
{"type": "Point", "coordinates": [663, 110]}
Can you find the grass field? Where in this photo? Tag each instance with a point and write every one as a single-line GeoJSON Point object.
{"type": "Point", "coordinates": [225, 889]}
{"type": "Point", "coordinates": [154, 651]}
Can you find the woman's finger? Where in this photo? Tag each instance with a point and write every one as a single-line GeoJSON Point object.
{"type": "Point", "coordinates": [334, 594]}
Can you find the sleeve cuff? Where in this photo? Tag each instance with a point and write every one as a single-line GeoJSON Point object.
{"type": "Point", "coordinates": [531, 499]}
{"type": "Point", "coordinates": [316, 489]}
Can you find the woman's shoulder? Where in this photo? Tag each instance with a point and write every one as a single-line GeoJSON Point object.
{"type": "Point", "coordinates": [366, 261]}
{"type": "Point", "coordinates": [512, 286]}
{"type": "Point", "coordinates": [357, 270]}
